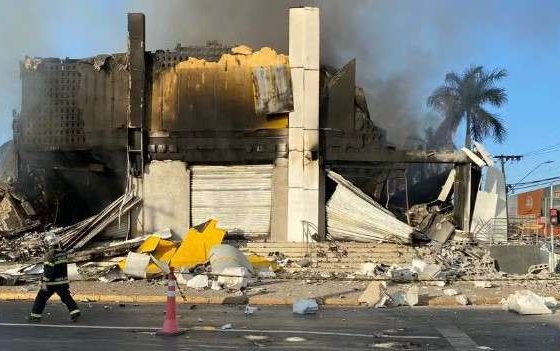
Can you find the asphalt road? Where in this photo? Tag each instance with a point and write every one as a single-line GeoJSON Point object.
{"type": "Point", "coordinates": [132, 328]}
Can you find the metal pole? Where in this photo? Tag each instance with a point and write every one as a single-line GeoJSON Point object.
{"type": "Point", "coordinates": [551, 253]}
{"type": "Point", "coordinates": [503, 161]}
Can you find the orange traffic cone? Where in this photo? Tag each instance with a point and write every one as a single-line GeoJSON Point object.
{"type": "Point", "coordinates": [170, 323]}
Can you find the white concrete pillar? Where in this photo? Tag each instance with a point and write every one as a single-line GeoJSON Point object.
{"type": "Point", "coordinates": [305, 178]}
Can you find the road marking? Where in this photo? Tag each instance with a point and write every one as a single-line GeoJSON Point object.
{"type": "Point", "coordinates": [310, 332]}
{"type": "Point", "coordinates": [457, 338]}
{"type": "Point", "coordinates": [264, 331]}
{"type": "Point", "coordinates": [76, 326]}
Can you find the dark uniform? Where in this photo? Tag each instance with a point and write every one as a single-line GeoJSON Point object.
{"type": "Point", "coordinates": [55, 280]}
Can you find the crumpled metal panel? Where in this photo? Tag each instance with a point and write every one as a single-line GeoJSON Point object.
{"type": "Point", "coordinates": [273, 89]}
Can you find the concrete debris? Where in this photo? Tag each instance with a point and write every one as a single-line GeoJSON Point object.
{"type": "Point", "coordinates": [305, 306]}
{"type": "Point", "coordinates": [295, 339]}
{"type": "Point", "coordinates": [266, 274]}
{"type": "Point", "coordinates": [369, 269]}
{"type": "Point", "coordinates": [482, 284]}
{"type": "Point", "coordinates": [526, 302]}
{"type": "Point", "coordinates": [73, 272]}
{"type": "Point", "coordinates": [216, 286]}
{"type": "Point", "coordinates": [373, 294]}
{"type": "Point", "coordinates": [304, 262]}
{"type": "Point", "coordinates": [114, 274]}
{"type": "Point", "coordinates": [17, 216]}
{"type": "Point", "coordinates": [234, 278]}
{"type": "Point", "coordinates": [450, 292]}
{"type": "Point", "coordinates": [551, 302]}
{"type": "Point", "coordinates": [249, 310]}
{"type": "Point", "coordinates": [401, 298]}
{"type": "Point", "coordinates": [226, 326]}
{"type": "Point", "coordinates": [537, 268]}
{"type": "Point", "coordinates": [462, 300]}
{"type": "Point", "coordinates": [397, 345]}
{"type": "Point", "coordinates": [136, 265]}
{"type": "Point", "coordinates": [403, 275]}
{"type": "Point", "coordinates": [198, 282]}
{"type": "Point", "coordinates": [441, 228]}
{"type": "Point", "coordinates": [426, 271]}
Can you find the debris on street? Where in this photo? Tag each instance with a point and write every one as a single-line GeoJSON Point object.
{"type": "Point", "coordinates": [526, 302]}
{"type": "Point", "coordinates": [305, 306]}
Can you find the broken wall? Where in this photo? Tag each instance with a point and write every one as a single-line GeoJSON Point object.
{"type": "Point", "coordinates": [166, 197]}
{"type": "Point", "coordinates": [198, 95]}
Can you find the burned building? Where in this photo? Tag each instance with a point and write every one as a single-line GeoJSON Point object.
{"type": "Point", "coordinates": [241, 135]}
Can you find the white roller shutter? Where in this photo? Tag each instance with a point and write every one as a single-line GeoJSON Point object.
{"type": "Point", "coordinates": [239, 197]}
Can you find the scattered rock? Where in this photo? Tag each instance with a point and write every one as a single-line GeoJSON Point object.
{"type": "Point", "coordinates": [304, 262]}
{"type": "Point", "coordinates": [482, 284]}
{"type": "Point", "coordinates": [462, 300]}
{"type": "Point", "coordinates": [450, 292]}
{"type": "Point", "coordinates": [373, 294]}
{"type": "Point", "coordinates": [305, 306]}
{"type": "Point", "coordinates": [527, 302]}
{"type": "Point", "coordinates": [249, 310]}
{"type": "Point", "coordinates": [198, 282]}
{"type": "Point", "coordinates": [295, 339]}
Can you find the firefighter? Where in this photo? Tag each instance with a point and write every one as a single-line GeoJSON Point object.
{"type": "Point", "coordinates": [55, 280]}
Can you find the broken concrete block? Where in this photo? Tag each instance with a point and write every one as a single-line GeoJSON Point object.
{"type": "Point", "coordinates": [234, 277]}
{"type": "Point", "coordinates": [216, 286]}
{"type": "Point", "coordinates": [198, 282]}
{"type": "Point", "coordinates": [462, 300]}
{"type": "Point", "coordinates": [412, 295]}
{"type": "Point", "coordinates": [482, 284]}
{"type": "Point", "coordinates": [526, 302]}
{"type": "Point", "coordinates": [368, 269]}
{"type": "Point", "coordinates": [73, 273]}
{"type": "Point", "coordinates": [136, 265]}
{"type": "Point", "coordinates": [550, 302]}
{"type": "Point", "coordinates": [403, 275]}
{"type": "Point", "coordinates": [450, 292]}
{"type": "Point", "coordinates": [305, 306]}
{"type": "Point", "coordinates": [373, 294]}
{"type": "Point", "coordinates": [249, 310]}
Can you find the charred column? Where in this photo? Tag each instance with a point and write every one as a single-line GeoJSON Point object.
{"type": "Point", "coordinates": [137, 93]}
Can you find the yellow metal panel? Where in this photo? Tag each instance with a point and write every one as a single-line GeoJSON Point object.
{"type": "Point", "coordinates": [196, 246]}
{"type": "Point", "coordinates": [149, 245]}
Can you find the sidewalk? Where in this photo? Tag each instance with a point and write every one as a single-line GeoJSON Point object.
{"type": "Point", "coordinates": [281, 292]}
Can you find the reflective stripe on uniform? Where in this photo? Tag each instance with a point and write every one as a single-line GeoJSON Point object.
{"type": "Point", "coordinates": [45, 279]}
{"type": "Point", "coordinates": [61, 261]}
{"type": "Point", "coordinates": [48, 264]}
{"type": "Point", "coordinates": [74, 312]}
{"type": "Point", "coordinates": [36, 315]}
{"type": "Point", "coordinates": [57, 283]}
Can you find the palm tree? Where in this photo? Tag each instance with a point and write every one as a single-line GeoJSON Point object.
{"type": "Point", "coordinates": [465, 97]}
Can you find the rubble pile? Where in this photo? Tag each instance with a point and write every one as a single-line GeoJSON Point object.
{"type": "Point", "coordinates": [24, 248]}
{"type": "Point", "coordinates": [17, 216]}
{"type": "Point", "coordinates": [465, 261]}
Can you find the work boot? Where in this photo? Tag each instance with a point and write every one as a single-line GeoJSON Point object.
{"type": "Point", "coordinates": [34, 318]}
{"type": "Point", "coordinates": [75, 316]}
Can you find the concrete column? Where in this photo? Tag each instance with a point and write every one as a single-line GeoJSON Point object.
{"type": "Point", "coordinates": [305, 178]}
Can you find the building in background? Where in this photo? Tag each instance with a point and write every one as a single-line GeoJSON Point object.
{"type": "Point", "coordinates": [241, 135]}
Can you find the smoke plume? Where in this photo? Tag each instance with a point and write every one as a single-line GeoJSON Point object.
{"type": "Point", "coordinates": [403, 48]}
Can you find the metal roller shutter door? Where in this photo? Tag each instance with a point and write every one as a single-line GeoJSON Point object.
{"type": "Point", "coordinates": [239, 197]}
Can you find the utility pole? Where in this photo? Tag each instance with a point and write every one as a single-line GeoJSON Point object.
{"type": "Point", "coordinates": [503, 159]}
